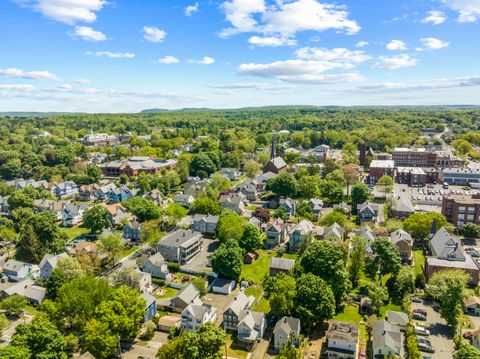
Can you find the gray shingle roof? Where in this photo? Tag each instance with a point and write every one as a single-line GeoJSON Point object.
{"type": "Point", "coordinates": [282, 263]}
{"type": "Point", "coordinates": [446, 246]}
{"type": "Point", "coordinates": [288, 325]}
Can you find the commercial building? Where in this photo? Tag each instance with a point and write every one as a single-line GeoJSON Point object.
{"type": "Point", "coordinates": [461, 209]}
{"type": "Point", "coordinates": [461, 176]}
{"type": "Point", "coordinates": [379, 168]}
{"type": "Point", "coordinates": [135, 165]}
{"type": "Point", "coordinates": [412, 176]}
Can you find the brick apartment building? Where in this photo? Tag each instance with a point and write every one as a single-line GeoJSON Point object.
{"type": "Point", "coordinates": [413, 176]}
{"type": "Point", "coordinates": [425, 157]}
{"type": "Point", "coordinates": [379, 168]}
{"type": "Point", "coordinates": [461, 209]}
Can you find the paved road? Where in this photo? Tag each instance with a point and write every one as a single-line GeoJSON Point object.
{"type": "Point", "coordinates": [10, 330]}
{"type": "Point", "coordinates": [440, 333]}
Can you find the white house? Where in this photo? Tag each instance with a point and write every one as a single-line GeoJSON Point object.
{"type": "Point", "coordinates": [285, 327]}
{"type": "Point", "coordinates": [223, 286]}
{"type": "Point", "coordinates": [195, 315]}
{"type": "Point", "coordinates": [49, 263]}
{"type": "Point", "coordinates": [342, 340]}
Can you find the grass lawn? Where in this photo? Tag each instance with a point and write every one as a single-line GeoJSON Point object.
{"type": "Point", "coordinates": [31, 310]}
{"type": "Point", "coordinates": [350, 314]}
{"type": "Point", "coordinates": [259, 269]}
{"type": "Point", "coordinates": [233, 349]}
{"type": "Point", "coordinates": [290, 256]}
{"type": "Point", "coordinates": [389, 306]}
{"type": "Point", "coordinates": [419, 260]}
{"type": "Point", "coordinates": [168, 292]}
{"type": "Point", "coordinates": [129, 251]}
{"type": "Point", "coordinates": [262, 305]}
{"type": "Point", "coordinates": [74, 232]}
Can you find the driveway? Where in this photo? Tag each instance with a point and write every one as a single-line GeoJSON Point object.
{"type": "Point", "coordinates": [440, 333]}
{"type": "Point", "coordinates": [148, 350]}
{"type": "Point", "coordinates": [10, 330]}
{"type": "Point", "coordinates": [201, 260]}
{"type": "Point", "coordinates": [220, 302]}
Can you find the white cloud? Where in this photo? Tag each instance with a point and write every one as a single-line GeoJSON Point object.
{"type": "Point", "coordinates": [285, 18]}
{"type": "Point", "coordinates": [206, 60]}
{"type": "Point", "coordinates": [468, 10]}
{"type": "Point", "coordinates": [251, 85]}
{"type": "Point", "coordinates": [433, 43]}
{"type": "Point", "coordinates": [88, 34]}
{"type": "Point", "coordinates": [361, 44]}
{"type": "Point", "coordinates": [190, 9]}
{"type": "Point", "coordinates": [435, 17]}
{"type": "Point", "coordinates": [17, 87]}
{"type": "Point", "coordinates": [396, 45]}
{"type": "Point", "coordinates": [433, 84]}
{"type": "Point", "coordinates": [299, 71]}
{"type": "Point", "coordinates": [153, 34]}
{"type": "Point", "coordinates": [66, 11]}
{"type": "Point", "coordinates": [272, 41]}
{"type": "Point", "coordinates": [168, 60]}
{"type": "Point", "coordinates": [30, 75]}
{"type": "Point", "coordinates": [83, 81]}
{"type": "Point", "coordinates": [395, 62]}
{"type": "Point", "coordinates": [112, 55]}
{"type": "Point", "coordinates": [337, 54]}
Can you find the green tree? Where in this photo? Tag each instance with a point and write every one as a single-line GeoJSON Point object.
{"type": "Point", "coordinates": [387, 258]}
{"type": "Point", "coordinates": [251, 238]}
{"type": "Point", "coordinates": [20, 199]}
{"type": "Point", "coordinates": [314, 300]}
{"type": "Point", "coordinates": [202, 162]}
{"type": "Point", "coordinates": [15, 352]}
{"type": "Point", "coordinates": [466, 351]}
{"type": "Point", "coordinates": [335, 216]}
{"type": "Point", "coordinates": [405, 281]}
{"type": "Point", "coordinates": [360, 193]}
{"type": "Point", "coordinates": [205, 343]}
{"type": "Point", "coordinates": [251, 168]}
{"type": "Point", "coordinates": [201, 284]}
{"type": "Point", "coordinates": [47, 231]}
{"type": "Point", "coordinates": [419, 224]}
{"type": "Point", "coordinates": [387, 183]}
{"type": "Point", "coordinates": [471, 230]}
{"type": "Point", "coordinates": [99, 340]}
{"type": "Point", "coordinates": [331, 191]}
{"type": "Point", "coordinates": [229, 226]}
{"type": "Point", "coordinates": [280, 290]}
{"type": "Point", "coordinates": [14, 305]}
{"type": "Point", "coordinates": [94, 173]}
{"type": "Point", "coordinates": [176, 211]}
{"type": "Point", "coordinates": [227, 260]}
{"type": "Point", "coordinates": [308, 187]}
{"type": "Point", "coordinates": [42, 338]}
{"type": "Point", "coordinates": [357, 260]}
{"type": "Point", "coordinates": [112, 244]}
{"type": "Point", "coordinates": [325, 259]}
{"type": "Point", "coordinates": [378, 294]}
{"type": "Point", "coordinates": [284, 185]}
{"type": "Point", "coordinates": [95, 218]}
{"type": "Point", "coordinates": [67, 269]}
{"type": "Point", "coordinates": [448, 287]}
{"type": "Point", "coordinates": [205, 205]}
{"type": "Point", "coordinates": [336, 176]}
{"type": "Point", "coordinates": [142, 208]}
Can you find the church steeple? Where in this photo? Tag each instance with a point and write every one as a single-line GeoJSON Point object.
{"type": "Point", "coordinates": [273, 153]}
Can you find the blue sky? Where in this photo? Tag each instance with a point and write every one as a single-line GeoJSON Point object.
{"type": "Point", "coordinates": [127, 55]}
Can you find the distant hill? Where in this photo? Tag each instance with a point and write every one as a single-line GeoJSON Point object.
{"type": "Point", "coordinates": [154, 110]}
{"type": "Point", "coordinates": [30, 114]}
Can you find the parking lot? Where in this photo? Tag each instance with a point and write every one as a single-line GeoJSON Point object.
{"type": "Point", "coordinates": [440, 333]}
{"type": "Point", "coordinates": [201, 260]}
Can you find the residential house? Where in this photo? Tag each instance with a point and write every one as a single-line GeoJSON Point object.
{"type": "Point", "coordinates": [187, 295]}
{"type": "Point", "coordinates": [157, 197]}
{"type": "Point", "coordinates": [27, 289]}
{"type": "Point", "coordinates": [288, 205]}
{"type": "Point", "coordinates": [16, 270]}
{"type": "Point", "coordinates": [387, 340]}
{"type": "Point", "coordinates": [276, 233]}
{"type": "Point", "coordinates": [250, 328]}
{"type": "Point", "coordinates": [342, 340]}
{"type": "Point", "coordinates": [367, 233]}
{"type": "Point", "coordinates": [399, 319]}
{"type": "Point", "coordinates": [65, 189]}
{"type": "Point", "coordinates": [21, 183]}
{"type": "Point", "coordinates": [116, 213]}
{"type": "Point", "coordinates": [278, 265]}
{"type": "Point", "coordinates": [285, 328]}
{"type": "Point", "coordinates": [156, 266]}
{"type": "Point", "coordinates": [403, 207]}
{"type": "Point", "coordinates": [233, 201]}
{"type": "Point", "coordinates": [205, 223]}
{"type": "Point", "coordinates": [446, 253]}
{"type": "Point", "coordinates": [195, 315]}
{"type": "Point", "coordinates": [320, 153]}
{"type": "Point", "coordinates": [87, 192]}
{"type": "Point", "coordinates": [299, 234]}
{"type": "Point", "coordinates": [316, 204]}
{"type": "Point", "coordinates": [72, 214]}
{"type": "Point", "coordinates": [134, 278]}
{"type": "Point", "coordinates": [334, 233]}
{"type": "Point", "coordinates": [49, 263]}
{"type": "Point", "coordinates": [370, 212]}
{"type": "Point", "coordinates": [231, 173]}
{"type": "Point", "coordinates": [102, 192]}
{"type": "Point", "coordinates": [471, 305]}
{"type": "Point", "coordinates": [133, 231]}
{"type": "Point", "coordinates": [223, 286]}
{"type": "Point", "coordinates": [117, 195]}
{"type": "Point", "coordinates": [184, 200]}
{"type": "Point", "coordinates": [167, 322]}
{"type": "Point", "coordinates": [404, 242]}
{"type": "Point", "coordinates": [231, 315]}
{"type": "Point", "coordinates": [150, 306]}
{"type": "Point", "coordinates": [262, 179]}
{"type": "Point", "coordinates": [249, 189]}
{"type": "Point", "coordinates": [181, 246]}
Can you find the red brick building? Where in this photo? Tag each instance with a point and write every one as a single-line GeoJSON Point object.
{"type": "Point", "coordinates": [461, 209]}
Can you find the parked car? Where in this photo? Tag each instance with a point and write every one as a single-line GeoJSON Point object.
{"type": "Point", "coordinates": [424, 341]}
{"type": "Point", "coordinates": [416, 299]}
{"type": "Point", "coordinates": [421, 331]}
{"type": "Point", "coordinates": [419, 316]}
{"type": "Point", "coordinates": [421, 311]}
{"type": "Point", "coordinates": [425, 348]}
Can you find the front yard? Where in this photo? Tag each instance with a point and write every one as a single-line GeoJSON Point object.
{"type": "Point", "coordinates": [259, 269]}
{"type": "Point", "coordinates": [419, 261]}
